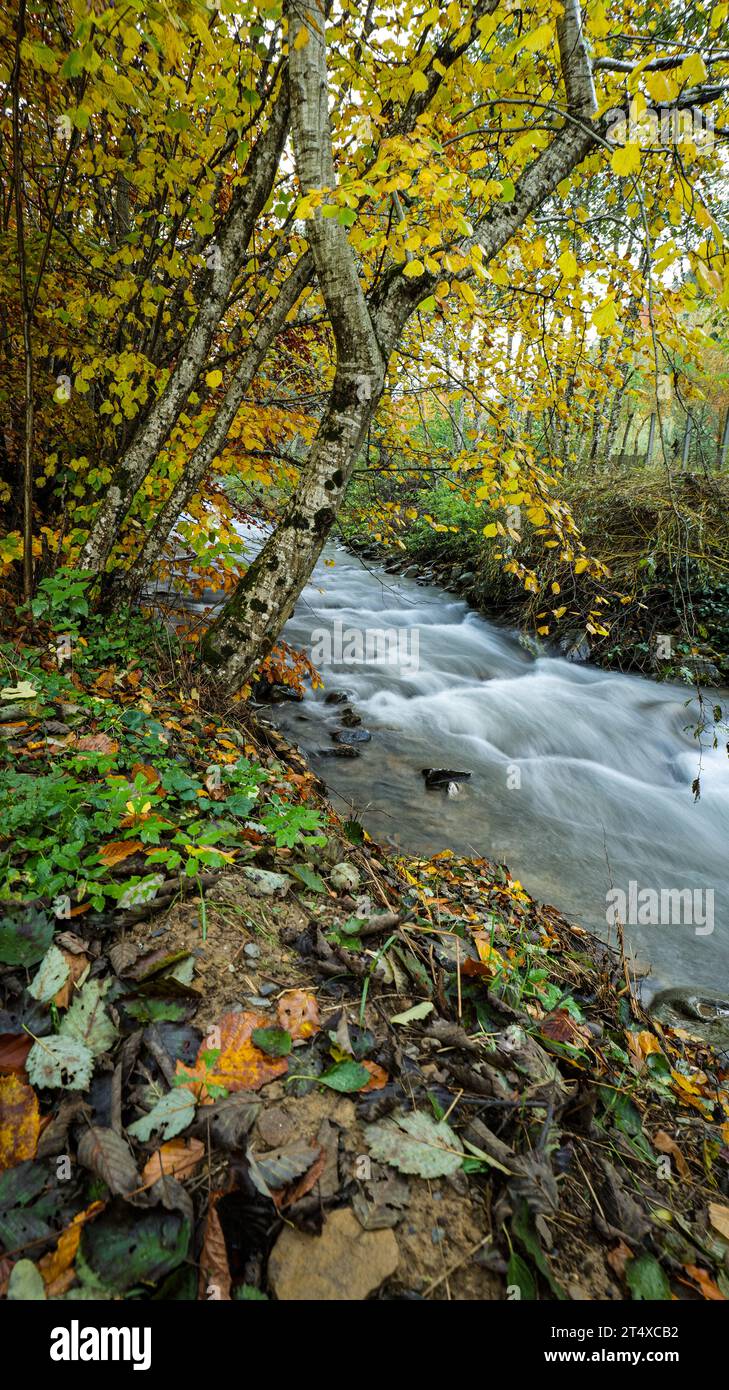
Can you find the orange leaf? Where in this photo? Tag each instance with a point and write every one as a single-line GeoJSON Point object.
{"type": "Point", "coordinates": [55, 1265]}
{"type": "Point", "coordinates": [150, 774]}
{"type": "Point", "coordinates": [117, 850]}
{"type": "Point", "coordinates": [666, 1145]}
{"type": "Point", "coordinates": [76, 964]}
{"type": "Point", "coordinates": [241, 1065]}
{"type": "Point", "coordinates": [708, 1288]}
{"type": "Point", "coordinates": [178, 1158]}
{"type": "Point", "coordinates": [19, 1122]}
{"type": "Point", "coordinates": [298, 1013]}
{"type": "Point", "coordinates": [378, 1077]}
{"type": "Point", "coordinates": [618, 1257]}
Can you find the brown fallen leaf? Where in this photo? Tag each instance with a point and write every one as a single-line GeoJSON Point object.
{"type": "Point", "coordinates": [618, 1257]}
{"type": "Point", "coordinates": [96, 743]}
{"type": "Point", "coordinates": [117, 850]}
{"type": "Point", "coordinates": [215, 1280]}
{"type": "Point", "coordinates": [14, 1049]}
{"type": "Point", "coordinates": [666, 1145]}
{"type": "Point", "coordinates": [719, 1218]}
{"type": "Point", "coordinates": [298, 1013]}
{"type": "Point", "coordinates": [19, 1121]}
{"type": "Point", "coordinates": [77, 964]}
{"type": "Point", "coordinates": [149, 773]}
{"type": "Point", "coordinates": [287, 1196]}
{"type": "Point", "coordinates": [178, 1158]}
{"type": "Point", "coordinates": [709, 1288]}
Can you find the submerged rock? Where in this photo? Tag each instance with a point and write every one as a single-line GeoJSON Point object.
{"type": "Point", "coordinates": [442, 779]}
{"type": "Point", "coordinates": [350, 736]}
{"type": "Point", "coordinates": [703, 1014]}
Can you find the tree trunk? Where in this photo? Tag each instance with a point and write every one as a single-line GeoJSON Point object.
{"type": "Point", "coordinates": [365, 332]}
{"type": "Point", "coordinates": [132, 580]}
{"type": "Point", "coordinates": [158, 425]}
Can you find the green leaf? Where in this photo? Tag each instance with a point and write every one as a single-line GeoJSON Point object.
{"type": "Point", "coordinates": [52, 974]}
{"type": "Point", "coordinates": [60, 1062]}
{"type": "Point", "coordinates": [519, 1275]}
{"type": "Point", "coordinates": [345, 1076]}
{"type": "Point", "coordinates": [646, 1280]}
{"type": "Point", "coordinates": [412, 1015]}
{"type": "Point", "coordinates": [416, 1143]}
{"type": "Point", "coordinates": [307, 876]}
{"type": "Point", "coordinates": [26, 1282]}
{"type": "Point", "coordinates": [276, 1042]}
{"type": "Point", "coordinates": [126, 1245]}
{"type": "Point", "coordinates": [173, 1113]}
{"type": "Point", "coordinates": [87, 1020]}
{"type": "Point", "coordinates": [25, 936]}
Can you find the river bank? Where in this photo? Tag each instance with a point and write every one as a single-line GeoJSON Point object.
{"type": "Point", "coordinates": [304, 1067]}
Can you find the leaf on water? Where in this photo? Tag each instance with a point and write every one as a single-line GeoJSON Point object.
{"type": "Point", "coordinates": [60, 1061]}
{"type": "Point", "coordinates": [51, 976]}
{"type": "Point", "coordinates": [416, 1143]}
{"type": "Point", "coordinates": [104, 1153]}
{"type": "Point", "coordinates": [173, 1113]}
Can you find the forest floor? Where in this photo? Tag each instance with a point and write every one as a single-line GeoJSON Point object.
{"type": "Point", "coordinates": [247, 1053]}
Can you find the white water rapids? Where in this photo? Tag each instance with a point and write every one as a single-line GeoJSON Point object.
{"type": "Point", "coordinates": [581, 778]}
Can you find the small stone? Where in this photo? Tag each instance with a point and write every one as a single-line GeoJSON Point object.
{"type": "Point", "coordinates": [343, 1264]}
{"type": "Point", "coordinates": [351, 736]}
{"type": "Point", "coordinates": [344, 878]}
{"type": "Point", "coordinates": [251, 950]}
{"type": "Point", "coordinates": [267, 884]}
{"type": "Point", "coordinates": [269, 987]}
{"type": "Point", "coordinates": [275, 1127]}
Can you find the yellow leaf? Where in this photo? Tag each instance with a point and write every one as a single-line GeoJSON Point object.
{"type": "Point", "coordinates": [605, 318]}
{"type": "Point", "coordinates": [490, 530]}
{"type": "Point", "coordinates": [413, 269]}
{"type": "Point", "coordinates": [214, 379]}
{"type": "Point", "coordinates": [540, 39]}
{"type": "Point", "coordinates": [418, 81]}
{"type": "Point", "coordinates": [568, 265]}
{"type": "Point", "coordinates": [302, 38]}
{"type": "Point", "coordinates": [626, 159]}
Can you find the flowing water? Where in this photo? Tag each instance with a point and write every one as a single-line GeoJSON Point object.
{"type": "Point", "coordinates": [581, 778]}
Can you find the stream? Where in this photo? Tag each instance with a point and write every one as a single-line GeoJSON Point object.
{"type": "Point", "coordinates": [581, 779]}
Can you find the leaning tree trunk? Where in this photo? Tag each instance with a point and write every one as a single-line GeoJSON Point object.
{"type": "Point", "coordinates": [154, 432]}
{"type": "Point", "coordinates": [131, 581]}
{"type": "Point", "coordinates": [365, 331]}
